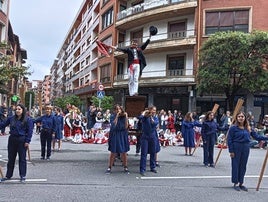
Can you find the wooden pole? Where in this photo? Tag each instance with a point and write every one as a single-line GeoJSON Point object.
{"type": "Point", "coordinates": [238, 107]}
{"type": "Point", "coordinates": [214, 110]}
{"type": "Point", "coordinates": [29, 154]}
{"type": "Point", "coordinates": [1, 172]}
{"type": "Point", "coordinates": [262, 170]}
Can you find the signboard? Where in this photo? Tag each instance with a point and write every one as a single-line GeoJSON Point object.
{"type": "Point", "coordinates": [101, 87]}
{"type": "Point", "coordinates": [14, 98]}
{"type": "Point", "coordinates": [100, 94]}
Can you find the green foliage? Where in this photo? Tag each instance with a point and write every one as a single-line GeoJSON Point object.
{"type": "Point", "coordinates": [106, 103]}
{"type": "Point", "coordinates": [72, 99]}
{"type": "Point", "coordinates": [7, 71]}
{"type": "Point", "coordinates": [28, 95]}
{"type": "Point", "coordinates": [230, 61]}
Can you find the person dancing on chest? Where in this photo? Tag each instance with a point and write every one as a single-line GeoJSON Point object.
{"type": "Point", "coordinates": [136, 63]}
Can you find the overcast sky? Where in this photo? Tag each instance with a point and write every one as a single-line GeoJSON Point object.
{"type": "Point", "coordinates": [42, 26]}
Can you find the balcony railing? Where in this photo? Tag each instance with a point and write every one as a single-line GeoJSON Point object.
{"type": "Point", "coordinates": [158, 74]}
{"type": "Point", "coordinates": [148, 5]}
{"type": "Point", "coordinates": [164, 36]}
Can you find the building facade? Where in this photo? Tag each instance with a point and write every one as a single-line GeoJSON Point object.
{"type": "Point", "coordinates": [17, 86]}
{"type": "Point", "coordinates": [169, 79]}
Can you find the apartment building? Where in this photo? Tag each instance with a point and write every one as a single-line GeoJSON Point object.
{"type": "Point", "coordinates": [236, 15]}
{"type": "Point", "coordinates": [16, 86]}
{"type": "Point", "coordinates": [168, 81]}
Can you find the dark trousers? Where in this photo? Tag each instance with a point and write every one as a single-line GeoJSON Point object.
{"type": "Point", "coordinates": [239, 162]}
{"type": "Point", "coordinates": [138, 144]}
{"type": "Point", "coordinates": [46, 139]}
{"type": "Point", "coordinates": [208, 148]}
{"type": "Point", "coordinates": [147, 147]}
{"type": "Point", "coordinates": [16, 146]}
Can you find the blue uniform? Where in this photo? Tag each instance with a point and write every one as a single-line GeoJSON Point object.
{"type": "Point", "coordinates": [148, 142]}
{"type": "Point", "coordinates": [238, 143]}
{"type": "Point", "coordinates": [59, 127]}
{"type": "Point", "coordinates": [187, 130]}
{"type": "Point", "coordinates": [48, 128]}
{"type": "Point", "coordinates": [208, 132]}
{"type": "Point", "coordinates": [20, 133]}
{"type": "Point", "coordinates": [118, 137]}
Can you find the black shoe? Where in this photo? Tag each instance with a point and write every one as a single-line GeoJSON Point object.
{"type": "Point", "coordinates": [243, 188]}
{"type": "Point", "coordinates": [157, 164]}
{"type": "Point", "coordinates": [42, 158]}
{"type": "Point", "coordinates": [5, 179]}
{"type": "Point", "coordinates": [212, 165]}
{"type": "Point", "coordinates": [236, 187]}
{"type": "Point", "coordinates": [142, 173]}
{"type": "Point", "coordinates": [22, 179]}
{"type": "Point", "coordinates": [126, 170]}
{"type": "Point", "coordinates": [108, 171]}
{"type": "Point", "coordinates": [153, 171]}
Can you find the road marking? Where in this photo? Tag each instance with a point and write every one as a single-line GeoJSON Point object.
{"type": "Point", "coordinates": [2, 160]}
{"type": "Point", "coordinates": [195, 177]}
{"type": "Point", "coordinates": [27, 180]}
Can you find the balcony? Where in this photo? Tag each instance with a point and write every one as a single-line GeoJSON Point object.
{"type": "Point", "coordinates": [152, 11]}
{"type": "Point", "coordinates": [170, 77]}
{"type": "Point", "coordinates": [170, 41]}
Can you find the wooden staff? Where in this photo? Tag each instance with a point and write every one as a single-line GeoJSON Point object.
{"type": "Point", "coordinates": [262, 170]}
{"type": "Point", "coordinates": [214, 110]}
{"type": "Point", "coordinates": [29, 154]}
{"type": "Point", "coordinates": [1, 172]}
{"type": "Point", "coordinates": [238, 107]}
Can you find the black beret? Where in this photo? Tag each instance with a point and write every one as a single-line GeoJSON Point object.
{"type": "Point", "coordinates": [153, 30]}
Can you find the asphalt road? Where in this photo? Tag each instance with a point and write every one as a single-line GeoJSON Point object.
{"type": "Point", "coordinates": [77, 173]}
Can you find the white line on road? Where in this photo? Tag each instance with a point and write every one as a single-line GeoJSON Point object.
{"type": "Point", "coordinates": [27, 180]}
{"type": "Point", "coordinates": [194, 177]}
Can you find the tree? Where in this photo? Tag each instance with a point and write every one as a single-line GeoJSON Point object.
{"type": "Point", "coordinates": [72, 99]}
{"type": "Point", "coordinates": [8, 71]}
{"type": "Point", "coordinates": [106, 102]}
{"type": "Point", "coordinates": [230, 61]}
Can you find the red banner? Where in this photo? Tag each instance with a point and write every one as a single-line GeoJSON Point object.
{"type": "Point", "coordinates": [103, 48]}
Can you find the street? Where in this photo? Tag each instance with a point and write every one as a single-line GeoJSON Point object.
{"type": "Point", "coordinates": [77, 173]}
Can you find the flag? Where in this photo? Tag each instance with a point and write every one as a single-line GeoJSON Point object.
{"type": "Point", "coordinates": [103, 48]}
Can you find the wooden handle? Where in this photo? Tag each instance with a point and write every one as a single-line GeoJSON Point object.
{"type": "Point", "coordinates": [1, 172]}
{"type": "Point", "coordinates": [262, 171]}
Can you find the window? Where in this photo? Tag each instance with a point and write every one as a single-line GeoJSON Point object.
{"type": "Point", "coordinates": [176, 65]}
{"type": "Point", "coordinates": [120, 68]}
{"type": "Point", "coordinates": [107, 18]}
{"type": "Point", "coordinates": [137, 35]}
{"type": "Point", "coordinates": [227, 21]}
{"type": "Point", "coordinates": [177, 29]}
{"type": "Point", "coordinates": [105, 73]}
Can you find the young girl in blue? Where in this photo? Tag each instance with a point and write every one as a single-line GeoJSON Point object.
{"type": "Point", "coordinates": [118, 138]}
{"type": "Point", "coordinates": [238, 144]}
{"type": "Point", "coordinates": [21, 130]}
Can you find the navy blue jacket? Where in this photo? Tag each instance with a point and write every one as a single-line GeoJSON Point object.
{"type": "Point", "coordinates": [18, 128]}
{"type": "Point", "coordinates": [238, 135]}
{"type": "Point", "coordinates": [48, 122]}
{"type": "Point", "coordinates": [141, 57]}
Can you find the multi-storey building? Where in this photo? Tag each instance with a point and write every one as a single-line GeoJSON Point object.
{"type": "Point", "coordinates": [16, 86]}
{"type": "Point", "coordinates": [169, 79]}
{"type": "Point", "coordinates": [46, 90]}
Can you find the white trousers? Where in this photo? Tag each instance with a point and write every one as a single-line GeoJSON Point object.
{"type": "Point", "coordinates": [133, 82]}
